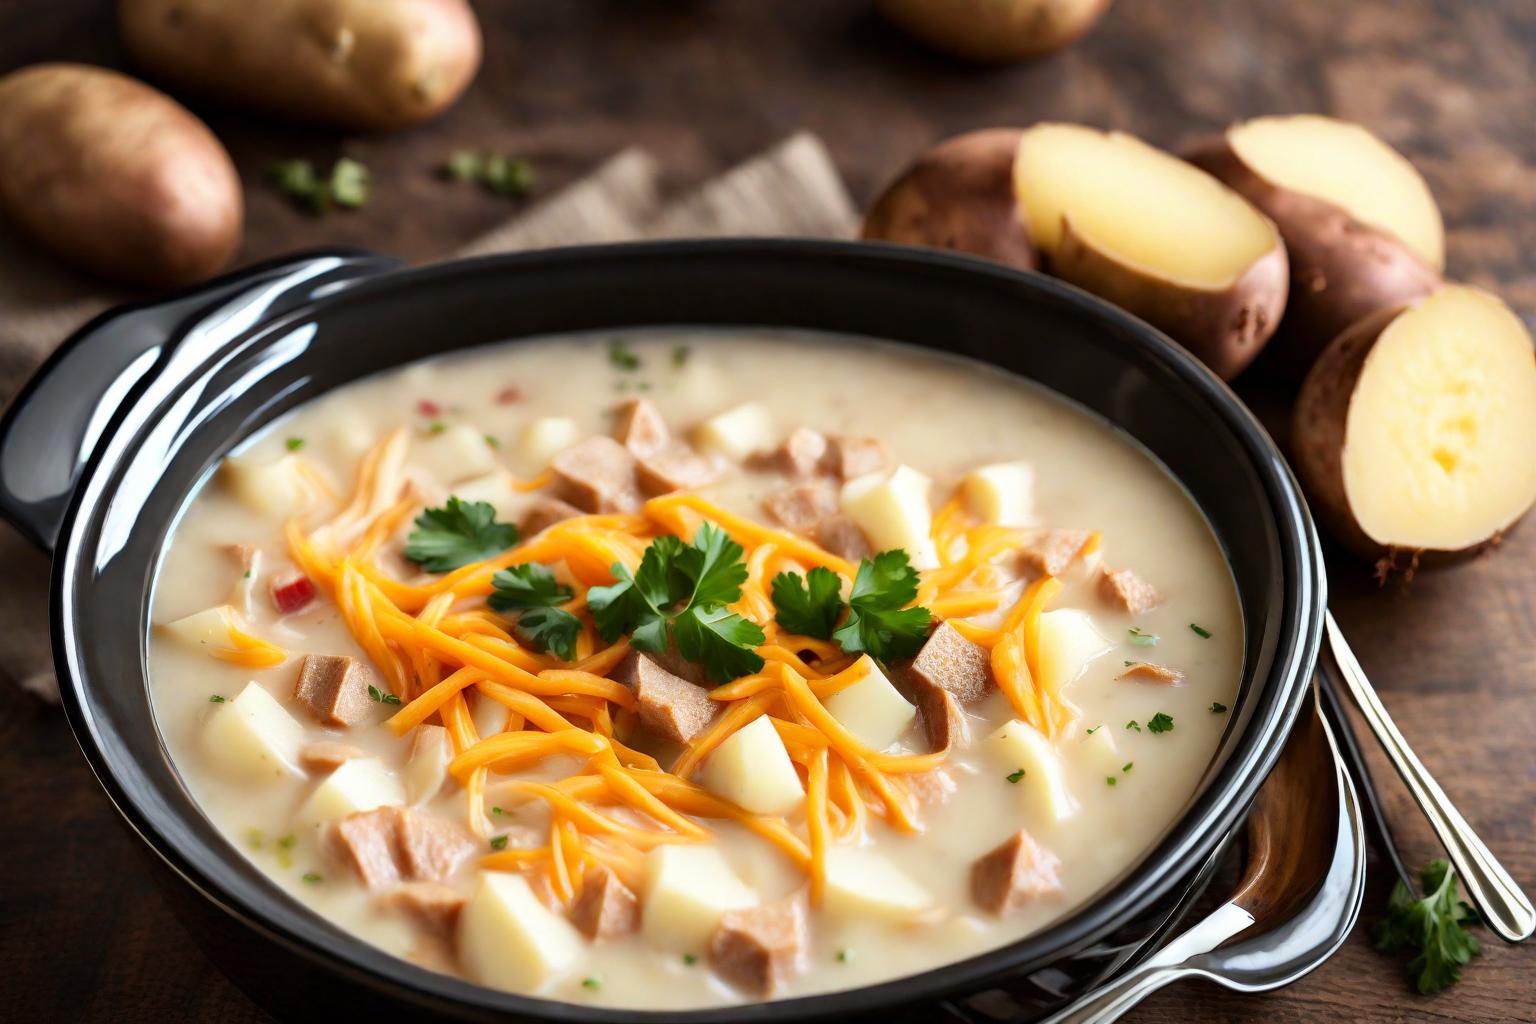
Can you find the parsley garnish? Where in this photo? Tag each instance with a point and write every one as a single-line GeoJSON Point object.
{"type": "Point", "coordinates": [1133, 726]}
{"type": "Point", "coordinates": [808, 605]}
{"type": "Point", "coordinates": [1110, 779]}
{"type": "Point", "coordinates": [216, 698]}
{"type": "Point", "coordinates": [690, 959]}
{"type": "Point", "coordinates": [622, 356]}
{"type": "Point", "coordinates": [348, 184]}
{"type": "Point", "coordinates": [311, 877]}
{"type": "Point", "coordinates": [459, 533]}
{"type": "Point", "coordinates": [1141, 638]}
{"type": "Point", "coordinates": [497, 811]}
{"type": "Point", "coordinates": [1093, 730]}
{"type": "Point", "coordinates": [1217, 707]}
{"type": "Point", "coordinates": [288, 841]}
{"type": "Point", "coordinates": [378, 696]}
{"type": "Point", "coordinates": [492, 441]}
{"type": "Point", "coordinates": [1432, 926]}
{"type": "Point", "coordinates": [680, 354]}
{"type": "Point", "coordinates": [878, 621]}
{"type": "Point", "coordinates": [1127, 766]}
{"type": "Point", "coordinates": [1200, 630]}
{"type": "Point", "coordinates": [529, 585]}
{"type": "Point", "coordinates": [592, 983]}
{"type": "Point", "coordinates": [844, 955]}
{"type": "Point", "coordinates": [436, 427]}
{"type": "Point", "coordinates": [1160, 723]}
{"type": "Point", "coordinates": [499, 842]}
{"type": "Point", "coordinates": [1015, 776]}
{"type": "Point", "coordinates": [549, 629]}
{"type": "Point", "coordinates": [679, 595]}
{"type": "Point", "coordinates": [293, 444]}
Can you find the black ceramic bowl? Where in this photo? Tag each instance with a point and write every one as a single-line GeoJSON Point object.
{"type": "Point", "coordinates": [103, 450]}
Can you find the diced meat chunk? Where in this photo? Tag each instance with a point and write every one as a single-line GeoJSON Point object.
{"type": "Point", "coordinates": [1015, 874]}
{"type": "Point", "coordinates": [848, 457]}
{"type": "Point", "coordinates": [291, 592]}
{"type": "Point", "coordinates": [933, 786]}
{"type": "Point", "coordinates": [802, 454]}
{"type": "Point", "coordinates": [431, 848]}
{"type": "Point", "coordinates": [1127, 591]}
{"type": "Point", "coordinates": [842, 536]}
{"type": "Point", "coordinates": [1147, 672]}
{"type": "Point", "coordinates": [334, 688]}
{"type": "Point", "coordinates": [950, 662]}
{"type": "Point", "coordinates": [669, 705]}
{"type": "Point", "coordinates": [606, 908]}
{"type": "Point", "coordinates": [598, 475]}
{"type": "Point", "coordinates": [674, 467]}
{"type": "Point", "coordinates": [759, 949]}
{"type": "Point", "coordinates": [943, 720]}
{"type": "Point", "coordinates": [639, 426]}
{"type": "Point", "coordinates": [1052, 552]}
{"type": "Point", "coordinates": [801, 507]}
{"type": "Point", "coordinates": [544, 513]}
{"type": "Point", "coordinates": [435, 906]}
{"type": "Point", "coordinates": [328, 755]}
{"type": "Point", "coordinates": [668, 659]}
{"type": "Point", "coordinates": [369, 843]}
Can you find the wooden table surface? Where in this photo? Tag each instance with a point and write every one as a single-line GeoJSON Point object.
{"type": "Point", "coordinates": [83, 935]}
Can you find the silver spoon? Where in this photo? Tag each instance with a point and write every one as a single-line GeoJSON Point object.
{"type": "Point", "coordinates": [1299, 897]}
{"type": "Point", "coordinates": [1498, 899]}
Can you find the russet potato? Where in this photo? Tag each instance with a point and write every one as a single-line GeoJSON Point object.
{"type": "Point", "coordinates": [115, 177]}
{"type": "Point", "coordinates": [362, 65]}
{"type": "Point", "coordinates": [995, 31]}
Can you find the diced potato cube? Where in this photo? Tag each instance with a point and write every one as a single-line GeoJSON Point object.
{"type": "Point", "coordinates": [872, 710]}
{"type": "Point", "coordinates": [353, 438]}
{"type": "Point", "coordinates": [1019, 746]}
{"type": "Point", "coordinates": [277, 488]}
{"type": "Point", "coordinates": [495, 489]}
{"type": "Point", "coordinates": [254, 736]}
{"type": "Point", "coordinates": [737, 433]}
{"type": "Point", "coordinates": [207, 628]}
{"type": "Point", "coordinates": [863, 883]}
{"type": "Point", "coordinates": [360, 784]}
{"type": "Point", "coordinates": [891, 507]}
{"type": "Point", "coordinates": [1068, 642]}
{"type": "Point", "coordinates": [458, 453]}
{"type": "Point", "coordinates": [509, 940]}
{"type": "Point", "coordinates": [687, 890]}
{"type": "Point", "coordinates": [544, 438]}
{"type": "Point", "coordinates": [427, 769]}
{"type": "Point", "coordinates": [1002, 493]}
{"type": "Point", "coordinates": [1097, 752]}
{"type": "Point", "coordinates": [752, 768]}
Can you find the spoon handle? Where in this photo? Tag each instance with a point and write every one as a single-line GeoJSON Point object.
{"type": "Point", "coordinates": [1493, 892]}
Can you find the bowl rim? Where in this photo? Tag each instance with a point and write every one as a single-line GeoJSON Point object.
{"type": "Point", "coordinates": [1211, 814]}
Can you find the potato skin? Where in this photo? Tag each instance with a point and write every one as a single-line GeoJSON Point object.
{"type": "Point", "coordinates": [959, 195]}
{"type": "Point", "coordinates": [1341, 270]}
{"type": "Point", "coordinates": [995, 31]}
{"type": "Point", "coordinates": [116, 177]}
{"type": "Point", "coordinates": [1225, 329]}
{"type": "Point", "coordinates": [363, 65]}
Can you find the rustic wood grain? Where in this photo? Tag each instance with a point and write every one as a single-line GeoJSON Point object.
{"type": "Point", "coordinates": [703, 85]}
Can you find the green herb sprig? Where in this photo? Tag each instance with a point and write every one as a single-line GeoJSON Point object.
{"type": "Point", "coordinates": [532, 589]}
{"type": "Point", "coordinates": [348, 185]}
{"type": "Point", "coordinates": [1433, 927]}
{"type": "Point", "coordinates": [458, 534]}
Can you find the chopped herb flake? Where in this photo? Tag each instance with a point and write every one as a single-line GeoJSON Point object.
{"type": "Point", "coordinates": [288, 841]}
{"type": "Point", "coordinates": [680, 354]}
{"type": "Point", "coordinates": [216, 698]}
{"type": "Point", "coordinates": [1160, 723]}
{"type": "Point", "coordinates": [497, 811]}
{"type": "Point", "coordinates": [311, 877]}
{"type": "Point", "coordinates": [1200, 630]}
{"type": "Point", "coordinates": [1127, 766]}
{"type": "Point", "coordinates": [378, 696]}
{"type": "Point", "coordinates": [623, 357]}
{"type": "Point", "coordinates": [436, 427]}
{"type": "Point", "coordinates": [1218, 708]}
{"type": "Point", "coordinates": [1111, 779]}
{"type": "Point", "coordinates": [1093, 730]}
{"type": "Point", "coordinates": [592, 983]}
{"type": "Point", "coordinates": [844, 955]}
{"type": "Point", "coordinates": [1015, 776]}
{"type": "Point", "coordinates": [1133, 725]}
{"type": "Point", "coordinates": [690, 959]}
{"type": "Point", "coordinates": [293, 444]}
{"type": "Point", "coordinates": [499, 842]}
{"type": "Point", "coordinates": [1141, 638]}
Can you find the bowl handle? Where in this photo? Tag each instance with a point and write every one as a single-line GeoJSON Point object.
{"type": "Point", "coordinates": [53, 426]}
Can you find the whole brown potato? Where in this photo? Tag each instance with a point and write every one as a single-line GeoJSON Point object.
{"type": "Point", "coordinates": [365, 65]}
{"type": "Point", "coordinates": [959, 195]}
{"type": "Point", "coordinates": [995, 31]}
{"type": "Point", "coordinates": [114, 176]}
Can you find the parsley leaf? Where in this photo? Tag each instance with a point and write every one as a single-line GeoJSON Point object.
{"type": "Point", "coordinates": [1160, 723]}
{"type": "Point", "coordinates": [808, 605]}
{"type": "Point", "coordinates": [549, 629]}
{"type": "Point", "coordinates": [679, 593]}
{"type": "Point", "coordinates": [457, 534]}
{"type": "Point", "coordinates": [1433, 926]}
{"type": "Point", "coordinates": [529, 585]}
{"type": "Point", "coordinates": [877, 620]}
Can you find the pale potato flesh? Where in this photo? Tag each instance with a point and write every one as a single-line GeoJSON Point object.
{"type": "Point", "coordinates": [1346, 165]}
{"type": "Point", "coordinates": [1147, 208]}
{"type": "Point", "coordinates": [1438, 444]}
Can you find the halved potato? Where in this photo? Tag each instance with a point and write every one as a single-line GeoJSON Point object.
{"type": "Point", "coordinates": [1361, 228]}
{"type": "Point", "coordinates": [1157, 237]}
{"type": "Point", "coordinates": [958, 195]}
{"type": "Point", "coordinates": [1414, 431]}
{"type": "Point", "coordinates": [992, 31]}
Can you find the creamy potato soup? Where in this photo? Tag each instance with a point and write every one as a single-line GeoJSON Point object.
{"type": "Point", "coordinates": [692, 668]}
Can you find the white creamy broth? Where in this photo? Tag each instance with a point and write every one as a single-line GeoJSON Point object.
{"type": "Point", "coordinates": [941, 416]}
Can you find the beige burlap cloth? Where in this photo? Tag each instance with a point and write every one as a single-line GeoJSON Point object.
{"type": "Point", "coordinates": [791, 189]}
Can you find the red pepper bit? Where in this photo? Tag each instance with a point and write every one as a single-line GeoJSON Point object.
{"type": "Point", "coordinates": [427, 407]}
{"type": "Point", "coordinates": [509, 395]}
{"type": "Point", "coordinates": [292, 592]}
